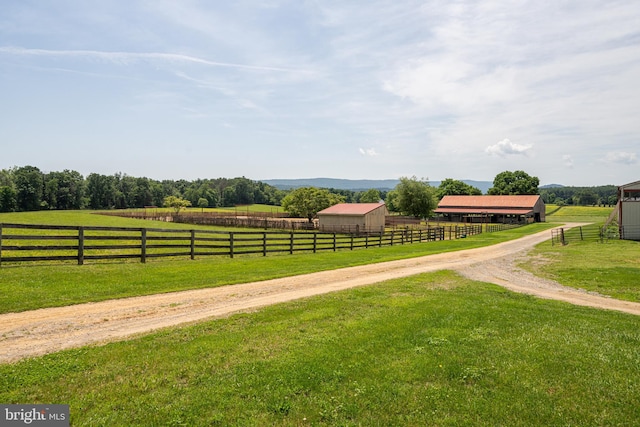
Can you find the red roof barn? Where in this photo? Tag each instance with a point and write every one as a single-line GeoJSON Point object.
{"type": "Point", "coordinates": [503, 209]}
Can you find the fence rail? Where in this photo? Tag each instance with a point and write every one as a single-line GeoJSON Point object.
{"type": "Point", "coordinates": [24, 243]}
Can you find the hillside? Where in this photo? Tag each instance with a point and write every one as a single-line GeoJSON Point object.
{"type": "Point", "coordinates": [357, 184]}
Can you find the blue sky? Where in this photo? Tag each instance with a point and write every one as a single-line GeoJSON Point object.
{"type": "Point", "coordinates": [374, 89]}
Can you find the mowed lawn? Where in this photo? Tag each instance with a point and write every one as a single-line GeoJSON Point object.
{"type": "Point", "coordinates": [433, 349]}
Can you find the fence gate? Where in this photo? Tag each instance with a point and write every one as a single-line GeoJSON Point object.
{"type": "Point", "coordinates": [557, 236]}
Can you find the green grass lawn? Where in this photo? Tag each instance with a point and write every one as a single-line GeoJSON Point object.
{"type": "Point", "coordinates": [433, 349]}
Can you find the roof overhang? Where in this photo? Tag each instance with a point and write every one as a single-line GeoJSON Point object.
{"type": "Point", "coordinates": [485, 211]}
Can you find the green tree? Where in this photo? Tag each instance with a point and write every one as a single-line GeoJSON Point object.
{"type": "Point", "coordinates": [585, 198]}
{"type": "Point", "coordinates": [370, 196]}
{"type": "Point", "coordinates": [415, 197]}
{"type": "Point", "coordinates": [8, 199]}
{"type": "Point", "coordinates": [229, 196]}
{"type": "Point", "coordinates": [65, 190]}
{"type": "Point", "coordinates": [176, 203]}
{"type": "Point", "coordinates": [203, 203]}
{"type": "Point", "coordinates": [514, 183]}
{"type": "Point", "coordinates": [391, 201]}
{"type": "Point", "coordinates": [101, 191]}
{"type": "Point", "coordinates": [29, 186]}
{"type": "Point", "coordinates": [244, 191]}
{"type": "Point", "coordinates": [306, 202]}
{"type": "Point", "coordinates": [6, 178]}
{"type": "Point", "coordinates": [453, 187]}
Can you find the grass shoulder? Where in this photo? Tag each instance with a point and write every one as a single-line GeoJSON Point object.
{"type": "Point", "coordinates": [608, 267]}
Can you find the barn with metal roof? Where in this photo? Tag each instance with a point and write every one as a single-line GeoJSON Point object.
{"type": "Point", "coordinates": [629, 211]}
{"type": "Point", "coordinates": [353, 218]}
{"type": "Point", "coordinates": [516, 209]}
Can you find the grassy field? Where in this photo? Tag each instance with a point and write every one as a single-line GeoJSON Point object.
{"type": "Point", "coordinates": [594, 214]}
{"type": "Point", "coordinates": [433, 349]}
{"type": "Point", "coordinates": [89, 218]}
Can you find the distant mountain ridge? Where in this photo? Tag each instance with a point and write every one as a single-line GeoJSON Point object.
{"type": "Point", "coordinates": [358, 184]}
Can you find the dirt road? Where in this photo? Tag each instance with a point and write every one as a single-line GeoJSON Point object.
{"type": "Point", "coordinates": [38, 332]}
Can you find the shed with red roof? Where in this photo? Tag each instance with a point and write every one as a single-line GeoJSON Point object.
{"type": "Point", "coordinates": [496, 209]}
{"type": "Point", "coordinates": [353, 218]}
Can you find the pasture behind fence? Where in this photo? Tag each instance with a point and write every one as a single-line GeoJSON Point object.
{"type": "Point", "coordinates": [27, 242]}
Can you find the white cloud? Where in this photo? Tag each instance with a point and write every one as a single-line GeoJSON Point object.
{"type": "Point", "coordinates": [568, 160]}
{"type": "Point", "coordinates": [371, 152]}
{"type": "Point", "coordinates": [128, 57]}
{"type": "Point", "coordinates": [622, 158]}
{"type": "Point", "coordinates": [506, 147]}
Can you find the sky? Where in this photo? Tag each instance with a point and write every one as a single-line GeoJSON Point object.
{"type": "Point", "coordinates": [355, 89]}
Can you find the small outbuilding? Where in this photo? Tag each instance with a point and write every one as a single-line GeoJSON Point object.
{"type": "Point", "coordinates": [519, 209]}
{"type": "Point", "coordinates": [353, 218]}
{"type": "Point", "coordinates": [629, 211]}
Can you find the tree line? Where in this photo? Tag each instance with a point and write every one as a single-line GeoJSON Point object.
{"type": "Point", "coordinates": [27, 188]}
{"type": "Point", "coordinates": [605, 195]}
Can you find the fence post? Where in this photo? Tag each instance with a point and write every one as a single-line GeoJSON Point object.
{"type": "Point", "coordinates": [334, 242]}
{"type": "Point", "coordinates": [80, 245]}
{"type": "Point", "coordinates": [291, 244]}
{"type": "Point", "coordinates": [193, 244]}
{"type": "Point", "coordinates": [366, 241]}
{"type": "Point", "coordinates": [264, 242]}
{"type": "Point", "coordinates": [231, 244]}
{"type": "Point", "coordinates": [315, 240]}
{"type": "Point", "coordinates": [143, 245]}
{"type": "Point", "coordinates": [581, 236]}
{"type": "Point", "coordinates": [0, 245]}
{"type": "Point", "coordinates": [381, 235]}
{"type": "Point", "coordinates": [393, 232]}
{"type": "Point", "coordinates": [351, 241]}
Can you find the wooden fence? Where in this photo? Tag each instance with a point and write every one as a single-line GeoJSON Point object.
{"type": "Point", "coordinates": [591, 232]}
{"type": "Point", "coordinates": [24, 243]}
